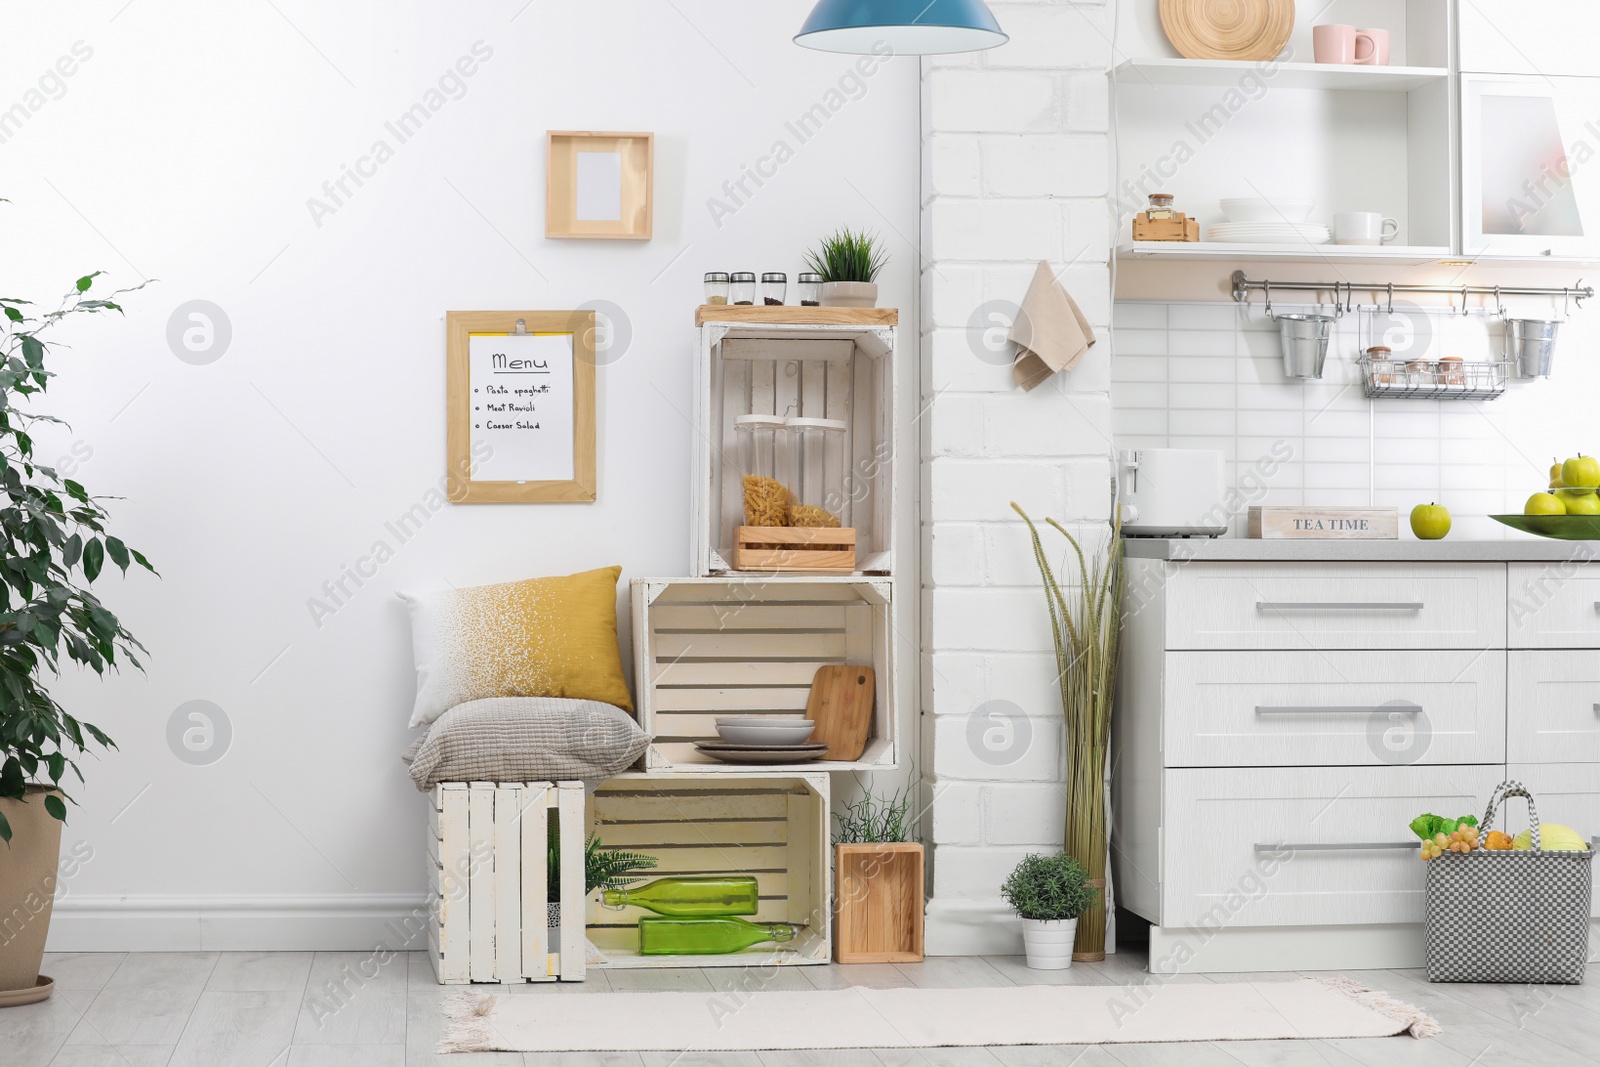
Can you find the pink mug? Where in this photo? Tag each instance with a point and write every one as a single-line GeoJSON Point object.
{"type": "Point", "coordinates": [1376, 50]}
{"type": "Point", "coordinates": [1333, 43]}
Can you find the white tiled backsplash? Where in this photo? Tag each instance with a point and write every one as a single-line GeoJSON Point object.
{"type": "Point", "coordinates": [1207, 375]}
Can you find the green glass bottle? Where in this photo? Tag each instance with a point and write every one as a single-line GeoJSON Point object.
{"type": "Point", "coordinates": [706, 937]}
{"type": "Point", "coordinates": [691, 896]}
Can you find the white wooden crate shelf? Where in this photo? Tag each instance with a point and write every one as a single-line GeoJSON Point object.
{"type": "Point", "coordinates": [772, 826]}
{"type": "Point", "coordinates": [808, 370]}
{"type": "Point", "coordinates": [705, 647]}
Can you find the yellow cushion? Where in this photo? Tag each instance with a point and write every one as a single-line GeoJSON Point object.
{"type": "Point", "coordinates": [544, 637]}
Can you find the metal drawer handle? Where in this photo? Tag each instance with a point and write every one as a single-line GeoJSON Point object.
{"type": "Point", "coordinates": [1352, 846]}
{"type": "Point", "coordinates": [1350, 605]}
{"type": "Point", "coordinates": [1399, 708]}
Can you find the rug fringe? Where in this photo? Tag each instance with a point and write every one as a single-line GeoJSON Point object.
{"type": "Point", "coordinates": [1418, 1022]}
{"type": "Point", "coordinates": [468, 1029]}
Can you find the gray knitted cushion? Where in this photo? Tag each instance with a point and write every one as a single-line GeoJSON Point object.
{"type": "Point", "coordinates": [526, 739]}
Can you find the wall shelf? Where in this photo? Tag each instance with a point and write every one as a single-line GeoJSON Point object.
{"type": "Point", "coordinates": [1284, 252]}
{"type": "Point", "coordinates": [1220, 72]}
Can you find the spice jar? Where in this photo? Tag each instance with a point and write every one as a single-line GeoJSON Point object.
{"type": "Point", "coordinates": [809, 287]}
{"type": "Point", "coordinates": [717, 287]}
{"type": "Point", "coordinates": [1380, 360]}
{"type": "Point", "coordinates": [820, 481]}
{"type": "Point", "coordinates": [1422, 372]}
{"type": "Point", "coordinates": [1160, 207]}
{"type": "Point", "coordinates": [774, 288]}
{"type": "Point", "coordinates": [742, 287]}
{"type": "Point", "coordinates": [1453, 370]}
{"type": "Point", "coordinates": [766, 500]}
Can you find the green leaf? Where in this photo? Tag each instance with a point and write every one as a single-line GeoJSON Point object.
{"type": "Point", "coordinates": [13, 314]}
{"type": "Point", "coordinates": [1425, 826]}
{"type": "Point", "coordinates": [94, 557]}
{"type": "Point", "coordinates": [55, 807]}
{"type": "Point", "coordinates": [1468, 820]}
{"type": "Point", "coordinates": [5, 830]}
{"type": "Point", "coordinates": [118, 553]}
{"type": "Point", "coordinates": [87, 280]}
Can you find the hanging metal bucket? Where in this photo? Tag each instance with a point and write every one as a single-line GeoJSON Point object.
{"type": "Point", "coordinates": [1532, 344]}
{"type": "Point", "coordinates": [1305, 343]}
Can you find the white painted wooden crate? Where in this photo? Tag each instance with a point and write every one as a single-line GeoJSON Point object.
{"type": "Point", "coordinates": [487, 856]}
{"type": "Point", "coordinates": [834, 372]}
{"type": "Point", "coordinates": [705, 647]}
{"type": "Point", "coordinates": [772, 826]}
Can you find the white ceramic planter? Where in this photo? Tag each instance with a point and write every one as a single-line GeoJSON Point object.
{"type": "Point", "coordinates": [850, 294]}
{"type": "Point", "coordinates": [1048, 943]}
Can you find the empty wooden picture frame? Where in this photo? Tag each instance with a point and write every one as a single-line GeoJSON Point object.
{"type": "Point", "coordinates": [520, 406]}
{"type": "Point", "coordinates": [599, 185]}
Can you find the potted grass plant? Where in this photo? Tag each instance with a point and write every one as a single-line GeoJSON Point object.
{"type": "Point", "coordinates": [53, 546]}
{"type": "Point", "coordinates": [877, 876]}
{"type": "Point", "coordinates": [1049, 893]}
{"type": "Point", "coordinates": [1086, 625]}
{"type": "Point", "coordinates": [849, 263]}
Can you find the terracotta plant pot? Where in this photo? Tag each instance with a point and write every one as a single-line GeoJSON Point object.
{"type": "Point", "coordinates": [1048, 943]}
{"type": "Point", "coordinates": [850, 294]}
{"type": "Point", "coordinates": [27, 894]}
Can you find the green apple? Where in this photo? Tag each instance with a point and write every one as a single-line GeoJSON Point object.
{"type": "Point", "coordinates": [1579, 503]}
{"type": "Point", "coordinates": [1544, 504]}
{"type": "Point", "coordinates": [1580, 472]}
{"type": "Point", "coordinates": [1555, 474]}
{"type": "Point", "coordinates": [1430, 522]}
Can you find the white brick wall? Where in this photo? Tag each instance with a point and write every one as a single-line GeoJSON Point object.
{"type": "Point", "coordinates": [1016, 170]}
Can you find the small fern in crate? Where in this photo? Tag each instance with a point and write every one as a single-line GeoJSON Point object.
{"type": "Point", "coordinates": [1049, 887]}
{"type": "Point", "coordinates": [603, 868]}
{"type": "Point", "coordinates": [848, 257]}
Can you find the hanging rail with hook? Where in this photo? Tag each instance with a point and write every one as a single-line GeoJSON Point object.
{"type": "Point", "coordinates": [1242, 287]}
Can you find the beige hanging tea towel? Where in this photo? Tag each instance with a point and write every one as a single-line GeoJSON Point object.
{"type": "Point", "coordinates": [1051, 333]}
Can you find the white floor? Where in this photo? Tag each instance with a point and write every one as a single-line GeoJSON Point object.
{"type": "Point", "coordinates": [241, 1009]}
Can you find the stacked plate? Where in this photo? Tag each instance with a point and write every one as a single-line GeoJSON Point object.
{"type": "Point", "coordinates": [1269, 233]}
{"type": "Point", "coordinates": [763, 739]}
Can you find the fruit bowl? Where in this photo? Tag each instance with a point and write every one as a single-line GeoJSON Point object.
{"type": "Point", "coordinates": [1561, 527]}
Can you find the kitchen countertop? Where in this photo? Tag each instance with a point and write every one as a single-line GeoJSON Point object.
{"type": "Point", "coordinates": [1536, 550]}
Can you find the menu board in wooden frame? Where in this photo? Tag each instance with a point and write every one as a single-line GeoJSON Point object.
{"type": "Point", "coordinates": [520, 406]}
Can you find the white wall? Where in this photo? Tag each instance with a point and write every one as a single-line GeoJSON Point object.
{"type": "Point", "coordinates": [1017, 171]}
{"type": "Point", "coordinates": [185, 149]}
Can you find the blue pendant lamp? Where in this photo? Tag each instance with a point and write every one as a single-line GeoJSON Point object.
{"type": "Point", "coordinates": [909, 27]}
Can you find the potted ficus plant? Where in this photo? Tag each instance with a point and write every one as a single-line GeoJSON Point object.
{"type": "Point", "coordinates": [849, 263]}
{"type": "Point", "coordinates": [54, 546]}
{"type": "Point", "coordinates": [1049, 893]}
{"type": "Point", "coordinates": [877, 878]}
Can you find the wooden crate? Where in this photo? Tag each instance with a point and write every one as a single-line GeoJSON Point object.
{"type": "Point", "coordinates": [878, 905]}
{"type": "Point", "coordinates": [1177, 228]}
{"type": "Point", "coordinates": [487, 856]}
{"type": "Point", "coordinates": [774, 827]}
{"type": "Point", "coordinates": [705, 647]}
{"type": "Point", "coordinates": [802, 369]}
{"type": "Point", "coordinates": [794, 548]}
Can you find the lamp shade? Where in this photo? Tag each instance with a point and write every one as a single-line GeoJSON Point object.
{"type": "Point", "coordinates": [907, 27]}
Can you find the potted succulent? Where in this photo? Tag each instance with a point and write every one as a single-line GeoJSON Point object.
{"type": "Point", "coordinates": [54, 546]}
{"type": "Point", "coordinates": [849, 264]}
{"type": "Point", "coordinates": [603, 868]}
{"type": "Point", "coordinates": [877, 873]}
{"type": "Point", "coordinates": [1049, 893]}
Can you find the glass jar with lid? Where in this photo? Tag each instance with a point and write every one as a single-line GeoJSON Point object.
{"type": "Point", "coordinates": [716, 287]}
{"type": "Point", "coordinates": [742, 287]}
{"type": "Point", "coordinates": [819, 484]}
{"type": "Point", "coordinates": [1160, 207]}
{"type": "Point", "coordinates": [760, 439]}
{"type": "Point", "coordinates": [809, 289]}
{"type": "Point", "coordinates": [774, 288]}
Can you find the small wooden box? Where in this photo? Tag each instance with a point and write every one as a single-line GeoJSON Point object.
{"type": "Point", "coordinates": [1335, 523]}
{"type": "Point", "coordinates": [878, 903]}
{"type": "Point", "coordinates": [1177, 228]}
{"type": "Point", "coordinates": [794, 548]}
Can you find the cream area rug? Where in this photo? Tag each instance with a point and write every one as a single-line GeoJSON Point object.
{"type": "Point", "coordinates": [926, 1018]}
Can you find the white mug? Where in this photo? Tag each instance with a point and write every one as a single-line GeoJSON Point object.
{"type": "Point", "coordinates": [1363, 228]}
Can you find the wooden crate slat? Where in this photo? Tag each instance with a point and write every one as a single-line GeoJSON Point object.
{"type": "Point", "coordinates": [507, 883]}
{"type": "Point", "coordinates": [453, 908]}
{"type": "Point", "coordinates": [807, 350]}
{"type": "Point", "coordinates": [745, 644]}
{"type": "Point", "coordinates": [608, 808]}
{"type": "Point", "coordinates": [658, 834]}
{"type": "Point", "coordinates": [569, 807]}
{"type": "Point", "coordinates": [779, 700]}
{"type": "Point", "coordinates": [715, 618]}
{"type": "Point", "coordinates": [534, 829]}
{"type": "Point", "coordinates": [481, 884]}
{"type": "Point", "coordinates": [720, 674]}
{"type": "Point", "coordinates": [775, 592]}
{"type": "Point", "coordinates": [686, 727]}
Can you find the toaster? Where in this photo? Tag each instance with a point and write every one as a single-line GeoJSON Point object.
{"type": "Point", "coordinates": [1171, 492]}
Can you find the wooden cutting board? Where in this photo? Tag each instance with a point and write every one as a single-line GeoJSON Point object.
{"type": "Point", "coordinates": [841, 706]}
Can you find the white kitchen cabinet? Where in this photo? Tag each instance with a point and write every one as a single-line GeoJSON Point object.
{"type": "Point", "coordinates": [1529, 183]}
{"type": "Point", "coordinates": [1553, 707]}
{"type": "Point", "coordinates": [1565, 793]}
{"type": "Point", "coordinates": [1546, 37]}
{"type": "Point", "coordinates": [1554, 605]}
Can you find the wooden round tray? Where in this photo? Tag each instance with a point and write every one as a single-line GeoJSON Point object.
{"type": "Point", "coordinates": [1228, 29]}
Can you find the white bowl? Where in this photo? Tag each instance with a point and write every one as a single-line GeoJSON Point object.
{"type": "Point", "coordinates": [764, 729]}
{"type": "Point", "coordinates": [1259, 209]}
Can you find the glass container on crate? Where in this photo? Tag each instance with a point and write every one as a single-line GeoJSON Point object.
{"type": "Point", "coordinates": [664, 936]}
{"type": "Point", "coordinates": [820, 480]}
{"type": "Point", "coordinates": [709, 896]}
{"type": "Point", "coordinates": [808, 285]}
{"type": "Point", "coordinates": [716, 287]}
{"type": "Point", "coordinates": [766, 499]}
{"type": "Point", "coordinates": [774, 288]}
{"type": "Point", "coordinates": [742, 287]}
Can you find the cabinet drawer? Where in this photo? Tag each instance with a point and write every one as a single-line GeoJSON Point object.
{"type": "Point", "coordinates": [1303, 846]}
{"type": "Point", "coordinates": [1276, 709]}
{"type": "Point", "coordinates": [1336, 605]}
{"type": "Point", "coordinates": [1553, 707]}
{"type": "Point", "coordinates": [1567, 793]}
{"type": "Point", "coordinates": [1554, 605]}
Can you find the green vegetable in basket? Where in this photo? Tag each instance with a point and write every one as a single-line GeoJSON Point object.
{"type": "Point", "coordinates": [1426, 826]}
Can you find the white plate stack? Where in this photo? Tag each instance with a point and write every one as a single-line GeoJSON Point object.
{"type": "Point", "coordinates": [1256, 220]}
